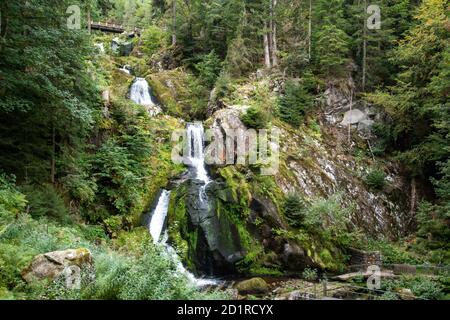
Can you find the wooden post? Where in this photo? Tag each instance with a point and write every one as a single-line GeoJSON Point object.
{"type": "Point", "coordinates": [324, 287]}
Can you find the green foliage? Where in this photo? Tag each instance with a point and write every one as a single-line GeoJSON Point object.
{"type": "Point", "coordinates": [392, 253]}
{"type": "Point", "coordinates": [332, 47]}
{"type": "Point", "coordinates": [433, 234]}
{"type": "Point", "coordinates": [45, 201]}
{"type": "Point", "coordinates": [12, 202]}
{"type": "Point", "coordinates": [255, 118]}
{"type": "Point", "coordinates": [115, 171]}
{"type": "Point", "coordinates": [153, 39]}
{"type": "Point", "coordinates": [421, 286]}
{"type": "Point", "coordinates": [209, 68]}
{"type": "Point", "coordinates": [310, 274]}
{"type": "Point", "coordinates": [376, 179]}
{"type": "Point", "coordinates": [295, 103]}
{"type": "Point", "coordinates": [294, 210]}
{"type": "Point", "coordinates": [49, 104]}
{"type": "Point", "coordinates": [330, 219]}
{"type": "Point", "coordinates": [331, 43]}
{"type": "Point", "coordinates": [123, 271]}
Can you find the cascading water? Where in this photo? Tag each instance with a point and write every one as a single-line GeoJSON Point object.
{"type": "Point", "coordinates": [196, 158]}
{"type": "Point", "coordinates": [140, 92]}
{"type": "Point", "coordinates": [156, 227]}
{"type": "Point", "coordinates": [159, 216]}
{"type": "Point", "coordinates": [126, 69]}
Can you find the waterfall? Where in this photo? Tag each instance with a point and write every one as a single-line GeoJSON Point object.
{"type": "Point", "coordinates": [156, 227]}
{"type": "Point", "coordinates": [126, 68]}
{"type": "Point", "coordinates": [140, 92]}
{"type": "Point", "coordinates": [159, 216]}
{"type": "Point", "coordinates": [195, 136]}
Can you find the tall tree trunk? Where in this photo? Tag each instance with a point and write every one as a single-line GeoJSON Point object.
{"type": "Point", "coordinates": [364, 67]}
{"type": "Point", "coordinates": [174, 22]}
{"type": "Point", "coordinates": [274, 34]}
{"type": "Point", "coordinates": [3, 19]}
{"type": "Point", "coordinates": [266, 47]}
{"type": "Point", "coordinates": [309, 29]}
{"type": "Point", "coordinates": [53, 160]}
{"type": "Point", "coordinates": [412, 209]}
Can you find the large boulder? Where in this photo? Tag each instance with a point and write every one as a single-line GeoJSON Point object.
{"type": "Point", "coordinates": [50, 265]}
{"type": "Point", "coordinates": [354, 116]}
{"type": "Point", "coordinates": [252, 286]}
{"type": "Point", "coordinates": [121, 47]}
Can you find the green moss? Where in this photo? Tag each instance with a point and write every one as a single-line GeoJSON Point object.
{"type": "Point", "coordinates": [264, 271]}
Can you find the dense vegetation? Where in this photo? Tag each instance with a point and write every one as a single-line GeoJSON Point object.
{"type": "Point", "coordinates": [79, 171]}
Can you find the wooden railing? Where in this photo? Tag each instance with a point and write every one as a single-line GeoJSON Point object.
{"type": "Point", "coordinates": [111, 27]}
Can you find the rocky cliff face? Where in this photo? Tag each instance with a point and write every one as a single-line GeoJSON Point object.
{"type": "Point", "coordinates": [243, 227]}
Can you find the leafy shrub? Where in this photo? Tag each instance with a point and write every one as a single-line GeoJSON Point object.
{"type": "Point", "coordinates": [376, 179]}
{"type": "Point", "coordinates": [296, 102]}
{"type": "Point", "coordinates": [310, 274]}
{"type": "Point", "coordinates": [254, 118]}
{"type": "Point", "coordinates": [330, 220]}
{"type": "Point", "coordinates": [294, 210]}
{"type": "Point", "coordinates": [426, 289]}
{"type": "Point", "coordinates": [392, 253]}
{"type": "Point", "coordinates": [113, 225]}
{"type": "Point", "coordinates": [421, 286]}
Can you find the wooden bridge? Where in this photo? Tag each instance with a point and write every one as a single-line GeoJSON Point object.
{"type": "Point", "coordinates": [111, 27]}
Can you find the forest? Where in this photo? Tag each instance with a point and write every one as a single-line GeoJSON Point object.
{"type": "Point", "coordinates": [92, 205]}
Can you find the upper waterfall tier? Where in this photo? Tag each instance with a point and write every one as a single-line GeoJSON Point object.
{"type": "Point", "coordinates": [140, 92]}
{"type": "Point", "coordinates": [195, 135]}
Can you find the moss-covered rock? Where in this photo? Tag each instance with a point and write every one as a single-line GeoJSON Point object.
{"type": "Point", "coordinates": [50, 265]}
{"type": "Point", "coordinates": [252, 286]}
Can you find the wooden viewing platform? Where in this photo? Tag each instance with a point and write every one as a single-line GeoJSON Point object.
{"type": "Point", "coordinates": [111, 27]}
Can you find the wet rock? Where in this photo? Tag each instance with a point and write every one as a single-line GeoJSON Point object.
{"type": "Point", "coordinates": [294, 257]}
{"type": "Point", "coordinates": [406, 294]}
{"type": "Point", "coordinates": [252, 286]}
{"type": "Point", "coordinates": [121, 47]}
{"type": "Point", "coordinates": [350, 276]}
{"type": "Point", "coordinates": [50, 265]}
{"type": "Point", "coordinates": [213, 238]}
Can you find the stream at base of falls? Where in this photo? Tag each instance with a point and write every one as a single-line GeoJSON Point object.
{"type": "Point", "coordinates": [157, 226]}
{"type": "Point", "coordinates": [160, 237]}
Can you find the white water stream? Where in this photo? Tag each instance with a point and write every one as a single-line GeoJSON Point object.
{"type": "Point", "coordinates": [156, 227]}
{"type": "Point", "coordinates": [140, 92]}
